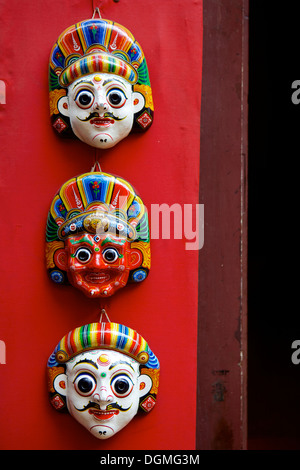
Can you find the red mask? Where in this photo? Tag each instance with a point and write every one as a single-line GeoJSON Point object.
{"type": "Point", "coordinates": [101, 247]}
{"type": "Point", "coordinates": [98, 265]}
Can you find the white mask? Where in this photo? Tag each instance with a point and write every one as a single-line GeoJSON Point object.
{"type": "Point", "coordinates": [101, 107]}
{"type": "Point", "coordinates": [103, 389]}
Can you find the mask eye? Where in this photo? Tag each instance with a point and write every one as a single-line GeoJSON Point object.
{"type": "Point", "coordinates": [84, 99]}
{"type": "Point", "coordinates": [121, 385]}
{"type": "Point", "coordinates": [116, 98]}
{"type": "Point", "coordinates": [83, 255]}
{"type": "Point", "coordinates": [85, 384]}
{"type": "Point", "coordinates": [110, 255]}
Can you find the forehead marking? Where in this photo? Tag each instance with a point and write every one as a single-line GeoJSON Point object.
{"type": "Point", "coordinates": [103, 360]}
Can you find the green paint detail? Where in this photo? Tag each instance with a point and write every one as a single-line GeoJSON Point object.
{"type": "Point", "coordinates": [143, 74]}
{"type": "Point", "coordinates": [51, 229]}
{"type": "Point", "coordinates": [109, 240]}
{"type": "Point", "coordinates": [53, 81]}
{"type": "Point", "coordinates": [83, 239]}
{"type": "Point", "coordinates": [143, 229]}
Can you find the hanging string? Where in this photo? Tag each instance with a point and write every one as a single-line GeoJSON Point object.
{"type": "Point", "coordinates": [96, 10]}
{"type": "Point", "coordinates": [102, 313]}
{"type": "Point", "coordinates": [96, 163]}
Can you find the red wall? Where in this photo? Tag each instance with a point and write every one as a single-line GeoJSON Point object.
{"type": "Point", "coordinates": [162, 164]}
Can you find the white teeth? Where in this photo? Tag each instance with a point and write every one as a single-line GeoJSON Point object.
{"type": "Point", "coordinates": [102, 414]}
{"type": "Point", "coordinates": [97, 278]}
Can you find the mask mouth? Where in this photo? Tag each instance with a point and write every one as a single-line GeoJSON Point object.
{"type": "Point", "coordinates": [97, 278]}
{"type": "Point", "coordinates": [102, 122]}
{"type": "Point", "coordinates": [103, 415]}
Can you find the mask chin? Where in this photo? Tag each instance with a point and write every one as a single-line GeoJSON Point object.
{"type": "Point", "coordinates": [102, 432]}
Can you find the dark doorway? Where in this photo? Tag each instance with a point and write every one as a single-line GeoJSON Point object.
{"type": "Point", "coordinates": [274, 149]}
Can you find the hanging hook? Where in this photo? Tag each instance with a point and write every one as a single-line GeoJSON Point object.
{"type": "Point", "coordinates": [103, 312]}
{"type": "Point", "coordinates": [96, 10]}
{"type": "Point", "coordinates": [96, 164]}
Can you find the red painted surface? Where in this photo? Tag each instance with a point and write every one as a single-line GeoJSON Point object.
{"type": "Point", "coordinates": [162, 164]}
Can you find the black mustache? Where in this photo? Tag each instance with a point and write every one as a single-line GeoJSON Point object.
{"type": "Point", "coordinates": [96, 115]}
{"type": "Point", "coordinates": [93, 404]}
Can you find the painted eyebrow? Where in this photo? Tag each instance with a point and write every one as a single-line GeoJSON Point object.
{"type": "Point", "coordinates": [86, 361]}
{"type": "Point", "coordinates": [109, 80]}
{"type": "Point", "coordinates": [120, 362]}
{"type": "Point", "coordinates": [83, 239]}
{"type": "Point", "coordinates": [83, 81]}
{"type": "Point", "coordinates": [114, 242]}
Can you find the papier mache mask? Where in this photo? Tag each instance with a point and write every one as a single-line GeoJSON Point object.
{"type": "Point", "coordinates": [103, 374]}
{"type": "Point", "coordinates": [97, 235]}
{"type": "Point", "coordinates": [99, 84]}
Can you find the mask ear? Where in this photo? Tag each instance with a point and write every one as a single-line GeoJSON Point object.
{"type": "Point", "coordinates": [63, 106]}
{"type": "Point", "coordinates": [60, 384]}
{"type": "Point", "coordinates": [145, 384]}
{"type": "Point", "coordinates": [61, 259]}
{"type": "Point", "coordinates": [138, 101]}
{"type": "Point", "coordinates": [135, 258]}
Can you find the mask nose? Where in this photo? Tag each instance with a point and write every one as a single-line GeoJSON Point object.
{"type": "Point", "coordinates": [102, 397]}
{"type": "Point", "coordinates": [98, 262]}
{"type": "Point", "coordinates": [101, 106]}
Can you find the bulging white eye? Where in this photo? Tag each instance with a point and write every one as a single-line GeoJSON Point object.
{"type": "Point", "coordinates": [110, 255]}
{"type": "Point", "coordinates": [116, 98]}
{"type": "Point", "coordinates": [121, 385]}
{"type": "Point", "coordinates": [85, 384]}
{"type": "Point", "coordinates": [83, 255]}
{"type": "Point", "coordinates": [84, 99]}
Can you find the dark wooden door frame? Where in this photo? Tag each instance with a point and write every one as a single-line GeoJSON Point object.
{"type": "Point", "coordinates": [222, 330]}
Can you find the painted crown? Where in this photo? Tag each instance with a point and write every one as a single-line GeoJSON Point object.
{"type": "Point", "coordinates": [97, 45]}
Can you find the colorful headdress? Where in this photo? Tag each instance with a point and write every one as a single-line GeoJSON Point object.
{"type": "Point", "coordinates": [97, 202]}
{"type": "Point", "coordinates": [97, 45]}
{"type": "Point", "coordinates": [113, 336]}
{"type": "Point", "coordinates": [106, 335]}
